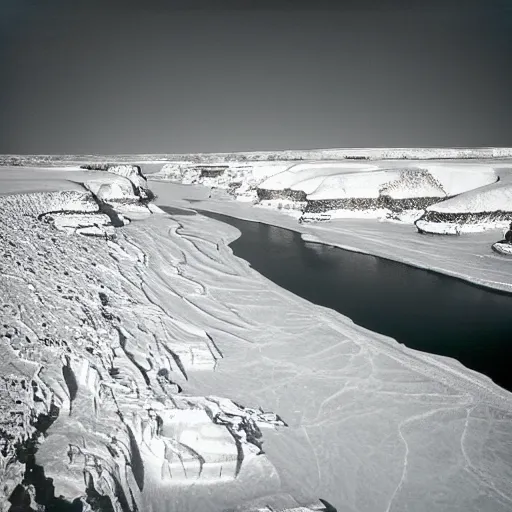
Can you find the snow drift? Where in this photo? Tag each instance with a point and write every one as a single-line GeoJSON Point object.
{"type": "Point", "coordinates": [304, 176]}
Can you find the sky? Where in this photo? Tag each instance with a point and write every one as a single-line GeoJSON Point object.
{"type": "Point", "coordinates": [183, 76]}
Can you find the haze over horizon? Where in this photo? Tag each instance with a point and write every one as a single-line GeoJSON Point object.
{"type": "Point", "coordinates": [199, 76]}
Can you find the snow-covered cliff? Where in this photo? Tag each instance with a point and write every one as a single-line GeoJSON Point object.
{"type": "Point", "coordinates": [93, 367]}
{"type": "Point", "coordinates": [399, 191]}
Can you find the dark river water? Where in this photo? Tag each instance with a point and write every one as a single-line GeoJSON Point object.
{"type": "Point", "coordinates": [424, 310]}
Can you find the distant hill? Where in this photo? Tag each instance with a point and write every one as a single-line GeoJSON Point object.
{"type": "Point", "coordinates": [305, 154]}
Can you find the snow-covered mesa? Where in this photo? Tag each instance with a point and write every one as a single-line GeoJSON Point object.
{"type": "Point", "coordinates": [348, 180]}
{"type": "Point", "coordinates": [393, 192]}
{"type": "Point", "coordinates": [488, 207]}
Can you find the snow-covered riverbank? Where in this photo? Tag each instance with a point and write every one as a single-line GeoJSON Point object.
{"type": "Point", "coordinates": [114, 343]}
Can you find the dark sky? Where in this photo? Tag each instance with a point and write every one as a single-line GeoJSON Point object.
{"type": "Point", "coordinates": [225, 75]}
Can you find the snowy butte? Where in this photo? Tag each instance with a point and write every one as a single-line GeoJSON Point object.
{"type": "Point", "coordinates": [145, 368]}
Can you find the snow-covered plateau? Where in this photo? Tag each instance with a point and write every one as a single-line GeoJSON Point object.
{"type": "Point", "coordinates": [147, 368]}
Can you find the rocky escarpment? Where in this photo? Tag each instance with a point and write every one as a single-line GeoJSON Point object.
{"type": "Point", "coordinates": [299, 180]}
{"type": "Point", "coordinates": [368, 204]}
{"type": "Point", "coordinates": [212, 171]}
{"type": "Point", "coordinates": [194, 172]}
{"type": "Point", "coordinates": [287, 193]}
{"type": "Point", "coordinates": [208, 174]}
{"type": "Point", "coordinates": [134, 175]}
{"type": "Point", "coordinates": [325, 190]}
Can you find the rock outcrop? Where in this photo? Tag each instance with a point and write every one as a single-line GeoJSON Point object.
{"type": "Point", "coordinates": [381, 194]}
{"type": "Point", "coordinates": [502, 248]}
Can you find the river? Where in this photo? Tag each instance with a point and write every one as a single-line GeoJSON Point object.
{"type": "Point", "coordinates": [424, 310]}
